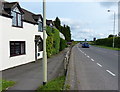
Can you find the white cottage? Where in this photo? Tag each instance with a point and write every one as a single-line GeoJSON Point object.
{"type": "Point", "coordinates": [20, 36]}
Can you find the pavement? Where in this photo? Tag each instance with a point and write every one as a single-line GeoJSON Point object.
{"type": "Point", "coordinates": [93, 68]}
{"type": "Point", "coordinates": [30, 76]}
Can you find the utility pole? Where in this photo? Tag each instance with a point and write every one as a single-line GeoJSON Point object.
{"type": "Point", "coordinates": [113, 28]}
{"type": "Point", "coordinates": [114, 32]}
{"type": "Point", "coordinates": [44, 45]}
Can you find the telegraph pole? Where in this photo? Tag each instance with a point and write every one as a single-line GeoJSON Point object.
{"type": "Point", "coordinates": [113, 29]}
{"type": "Point", "coordinates": [44, 45]}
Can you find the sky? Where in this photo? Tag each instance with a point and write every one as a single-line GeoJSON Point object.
{"type": "Point", "coordinates": [86, 19]}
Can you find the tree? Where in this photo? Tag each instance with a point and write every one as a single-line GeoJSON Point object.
{"type": "Point", "coordinates": [65, 30]}
{"type": "Point", "coordinates": [57, 23]}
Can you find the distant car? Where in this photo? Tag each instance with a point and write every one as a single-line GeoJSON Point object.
{"type": "Point", "coordinates": [80, 42]}
{"type": "Point", "coordinates": [85, 45]}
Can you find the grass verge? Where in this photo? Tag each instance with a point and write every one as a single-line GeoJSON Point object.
{"type": "Point", "coordinates": [57, 85]}
{"type": "Point", "coordinates": [5, 84]}
{"type": "Point", "coordinates": [111, 48]}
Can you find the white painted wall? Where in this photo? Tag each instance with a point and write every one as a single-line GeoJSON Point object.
{"type": "Point", "coordinates": [9, 33]}
{"type": "Point", "coordinates": [62, 36]}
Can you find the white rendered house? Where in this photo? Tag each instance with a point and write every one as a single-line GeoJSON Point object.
{"type": "Point", "coordinates": [20, 36]}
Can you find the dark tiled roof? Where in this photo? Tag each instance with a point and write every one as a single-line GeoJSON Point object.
{"type": "Point", "coordinates": [48, 22]}
{"type": "Point", "coordinates": [9, 5]}
{"type": "Point", "coordinates": [27, 17]}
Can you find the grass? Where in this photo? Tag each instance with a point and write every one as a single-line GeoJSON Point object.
{"type": "Point", "coordinates": [57, 85]}
{"type": "Point", "coordinates": [5, 84]}
{"type": "Point", "coordinates": [107, 47]}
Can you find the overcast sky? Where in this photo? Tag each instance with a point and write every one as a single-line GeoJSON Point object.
{"type": "Point", "coordinates": [86, 19]}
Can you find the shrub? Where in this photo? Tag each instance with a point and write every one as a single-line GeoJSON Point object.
{"type": "Point", "coordinates": [56, 41]}
{"type": "Point", "coordinates": [49, 45]}
{"type": "Point", "coordinates": [53, 41]}
{"type": "Point", "coordinates": [108, 42]}
{"type": "Point", "coordinates": [62, 44]}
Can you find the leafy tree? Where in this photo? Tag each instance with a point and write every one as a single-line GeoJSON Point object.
{"type": "Point", "coordinates": [57, 23]}
{"type": "Point", "coordinates": [65, 30]}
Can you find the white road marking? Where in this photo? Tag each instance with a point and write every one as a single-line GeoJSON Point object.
{"type": "Point", "coordinates": [92, 59]}
{"type": "Point", "coordinates": [85, 54]}
{"type": "Point", "coordinates": [88, 56]}
{"type": "Point", "coordinates": [99, 64]}
{"type": "Point", "coordinates": [111, 73]}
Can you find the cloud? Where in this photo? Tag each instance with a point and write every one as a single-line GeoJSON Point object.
{"type": "Point", "coordinates": [64, 0]}
{"type": "Point", "coordinates": [74, 24]}
{"type": "Point", "coordinates": [80, 31]}
{"type": "Point", "coordinates": [88, 34]}
{"type": "Point", "coordinates": [108, 4]}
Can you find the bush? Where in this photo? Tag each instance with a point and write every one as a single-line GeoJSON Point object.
{"type": "Point", "coordinates": [108, 42]}
{"type": "Point", "coordinates": [63, 44]}
{"type": "Point", "coordinates": [56, 41]}
{"type": "Point", "coordinates": [53, 41]}
{"type": "Point", "coordinates": [49, 45]}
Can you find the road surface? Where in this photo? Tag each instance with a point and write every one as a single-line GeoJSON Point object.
{"type": "Point", "coordinates": [93, 68]}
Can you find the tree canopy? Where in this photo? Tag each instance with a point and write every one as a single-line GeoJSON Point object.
{"type": "Point", "coordinates": [65, 29]}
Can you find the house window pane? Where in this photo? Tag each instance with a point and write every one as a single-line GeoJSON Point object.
{"type": "Point", "coordinates": [14, 23]}
{"type": "Point", "coordinates": [40, 46]}
{"type": "Point", "coordinates": [19, 20]}
{"type": "Point", "coordinates": [22, 48]}
{"type": "Point", "coordinates": [40, 27]}
{"type": "Point", "coordinates": [17, 48]}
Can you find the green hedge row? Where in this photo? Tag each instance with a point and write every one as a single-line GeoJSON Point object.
{"type": "Point", "coordinates": [54, 43]}
{"type": "Point", "coordinates": [108, 42]}
{"type": "Point", "coordinates": [63, 44]}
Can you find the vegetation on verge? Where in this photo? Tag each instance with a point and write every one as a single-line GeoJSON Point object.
{"type": "Point", "coordinates": [107, 47]}
{"type": "Point", "coordinates": [63, 44]}
{"type": "Point", "coordinates": [108, 42]}
{"type": "Point", "coordinates": [53, 41]}
{"type": "Point", "coordinates": [5, 84]}
{"type": "Point", "coordinates": [57, 85]}
{"type": "Point", "coordinates": [65, 30]}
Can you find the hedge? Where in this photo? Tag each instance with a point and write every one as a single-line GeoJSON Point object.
{"type": "Point", "coordinates": [49, 45]}
{"type": "Point", "coordinates": [63, 44]}
{"type": "Point", "coordinates": [108, 42]}
{"type": "Point", "coordinates": [53, 41]}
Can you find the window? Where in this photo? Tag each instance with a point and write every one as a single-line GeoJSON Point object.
{"type": "Point", "coordinates": [17, 48]}
{"type": "Point", "coordinates": [40, 28]}
{"type": "Point", "coordinates": [40, 46]}
{"type": "Point", "coordinates": [17, 18]}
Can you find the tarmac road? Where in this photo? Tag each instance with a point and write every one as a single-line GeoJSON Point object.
{"type": "Point", "coordinates": [94, 68]}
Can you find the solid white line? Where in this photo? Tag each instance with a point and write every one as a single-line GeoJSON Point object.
{"type": "Point", "coordinates": [92, 59]}
{"type": "Point", "coordinates": [85, 54]}
{"type": "Point", "coordinates": [111, 73]}
{"type": "Point", "coordinates": [99, 64]}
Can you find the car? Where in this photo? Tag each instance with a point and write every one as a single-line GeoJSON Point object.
{"type": "Point", "coordinates": [85, 45]}
{"type": "Point", "coordinates": [80, 42]}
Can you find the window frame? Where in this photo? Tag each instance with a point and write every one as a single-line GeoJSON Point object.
{"type": "Point", "coordinates": [20, 48]}
{"type": "Point", "coordinates": [17, 20]}
{"type": "Point", "coordinates": [40, 26]}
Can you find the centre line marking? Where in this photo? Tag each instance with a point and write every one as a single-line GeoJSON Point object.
{"type": "Point", "coordinates": [88, 56]}
{"type": "Point", "coordinates": [111, 73]}
{"type": "Point", "coordinates": [92, 59]}
{"type": "Point", "coordinates": [99, 64]}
